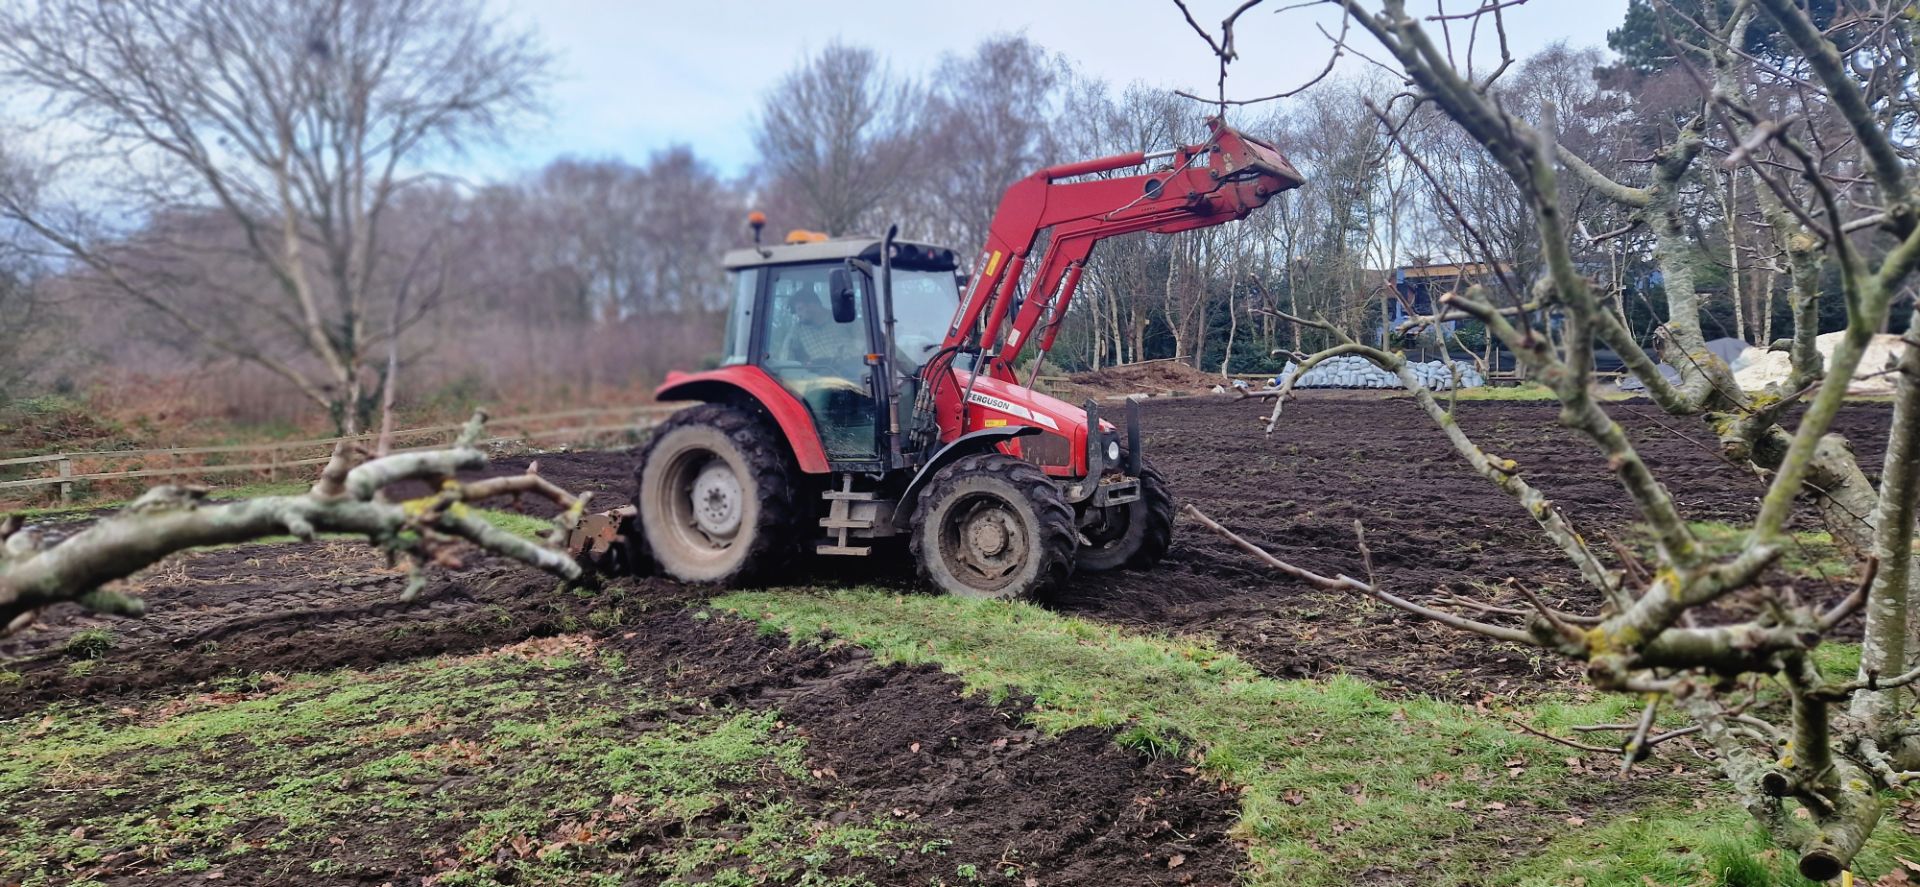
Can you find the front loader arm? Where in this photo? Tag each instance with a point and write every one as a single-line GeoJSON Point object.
{"type": "Point", "coordinates": [1218, 181]}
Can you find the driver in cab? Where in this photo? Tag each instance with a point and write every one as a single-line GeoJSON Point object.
{"type": "Point", "coordinates": [817, 340]}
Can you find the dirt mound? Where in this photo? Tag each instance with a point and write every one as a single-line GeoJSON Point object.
{"type": "Point", "coordinates": [1159, 377]}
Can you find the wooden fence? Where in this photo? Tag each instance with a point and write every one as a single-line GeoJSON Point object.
{"type": "Point", "coordinates": [270, 459]}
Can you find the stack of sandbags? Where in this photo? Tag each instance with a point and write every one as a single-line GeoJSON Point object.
{"type": "Point", "coordinates": [1758, 368]}
{"type": "Point", "coordinates": [1354, 371]}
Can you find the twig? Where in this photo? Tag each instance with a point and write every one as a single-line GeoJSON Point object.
{"type": "Point", "coordinates": [1350, 584]}
{"type": "Point", "coordinates": [1561, 739]}
{"type": "Point", "coordinates": [1552, 617]}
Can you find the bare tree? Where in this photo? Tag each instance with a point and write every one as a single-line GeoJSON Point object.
{"type": "Point", "coordinates": [990, 118]}
{"type": "Point", "coordinates": [640, 241]}
{"type": "Point", "coordinates": [23, 307]}
{"type": "Point", "coordinates": [837, 134]}
{"type": "Point", "coordinates": [1815, 770]}
{"type": "Point", "coordinates": [299, 122]}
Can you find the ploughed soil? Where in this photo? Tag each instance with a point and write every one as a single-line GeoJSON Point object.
{"type": "Point", "coordinates": [969, 776]}
{"type": "Point", "coordinates": [1072, 809]}
{"type": "Point", "coordinates": [1435, 530]}
{"type": "Point", "coordinates": [1078, 807]}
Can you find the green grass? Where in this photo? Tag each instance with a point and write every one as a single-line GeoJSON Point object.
{"type": "Point", "coordinates": [517, 524]}
{"type": "Point", "coordinates": [527, 769]}
{"type": "Point", "coordinates": [1721, 846]}
{"type": "Point", "coordinates": [91, 643]}
{"type": "Point", "coordinates": [1718, 845]}
{"type": "Point", "coordinates": [1811, 554]}
{"type": "Point", "coordinates": [1336, 778]}
{"type": "Point", "coordinates": [1524, 391]}
{"type": "Point", "coordinates": [262, 488]}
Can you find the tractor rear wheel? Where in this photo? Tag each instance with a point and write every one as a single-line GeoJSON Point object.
{"type": "Point", "coordinates": [992, 526]}
{"type": "Point", "coordinates": [1135, 535]}
{"type": "Point", "coordinates": [715, 496]}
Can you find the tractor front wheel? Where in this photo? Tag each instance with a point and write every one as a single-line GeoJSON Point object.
{"type": "Point", "coordinates": [715, 497]}
{"type": "Point", "coordinates": [1135, 535]}
{"type": "Point", "coordinates": [992, 526]}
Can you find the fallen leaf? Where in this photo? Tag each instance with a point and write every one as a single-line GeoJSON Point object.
{"type": "Point", "coordinates": [1576, 820]}
{"type": "Point", "coordinates": [1176, 860]}
{"type": "Point", "coordinates": [1294, 796]}
{"type": "Point", "coordinates": [1493, 805]}
{"type": "Point", "coordinates": [1458, 805]}
{"type": "Point", "coordinates": [915, 748]}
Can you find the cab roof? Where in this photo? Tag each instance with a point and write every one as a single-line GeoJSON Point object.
{"type": "Point", "coordinates": [907, 253]}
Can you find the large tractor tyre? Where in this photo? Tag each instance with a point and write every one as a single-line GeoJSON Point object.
{"type": "Point", "coordinates": [1135, 535]}
{"type": "Point", "coordinates": [992, 526]}
{"type": "Point", "coordinates": [716, 497]}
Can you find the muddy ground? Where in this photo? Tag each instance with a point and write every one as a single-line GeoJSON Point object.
{"type": "Point", "coordinates": [969, 775]}
{"type": "Point", "coordinates": [1434, 528]}
{"type": "Point", "coordinates": [1078, 803]}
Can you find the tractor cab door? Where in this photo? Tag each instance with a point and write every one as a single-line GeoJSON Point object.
{"type": "Point", "coordinates": [821, 357]}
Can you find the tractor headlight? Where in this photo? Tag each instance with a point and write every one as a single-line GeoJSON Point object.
{"type": "Point", "coordinates": [1113, 452]}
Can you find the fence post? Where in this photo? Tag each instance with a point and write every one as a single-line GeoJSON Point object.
{"type": "Point", "coordinates": [66, 486]}
{"type": "Point", "coordinates": [273, 465]}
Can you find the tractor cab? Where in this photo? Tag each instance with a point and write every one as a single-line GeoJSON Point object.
{"type": "Point", "coordinates": [810, 314]}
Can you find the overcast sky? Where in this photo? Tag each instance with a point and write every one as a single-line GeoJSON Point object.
{"type": "Point", "coordinates": [638, 75]}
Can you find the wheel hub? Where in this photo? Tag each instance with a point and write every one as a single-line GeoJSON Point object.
{"type": "Point", "coordinates": [987, 535]}
{"type": "Point", "coordinates": [717, 501]}
{"type": "Point", "coordinates": [986, 541]}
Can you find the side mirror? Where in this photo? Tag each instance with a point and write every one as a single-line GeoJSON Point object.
{"type": "Point", "coordinates": [841, 283]}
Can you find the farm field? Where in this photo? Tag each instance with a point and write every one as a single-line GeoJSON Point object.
{"type": "Point", "coordinates": [280, 717]}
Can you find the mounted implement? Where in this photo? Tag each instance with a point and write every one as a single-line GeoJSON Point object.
{"type": "Point", "coordinates": [860, 397]}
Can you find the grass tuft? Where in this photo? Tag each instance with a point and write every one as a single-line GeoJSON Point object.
{"type": "Point", "coordinates": [91, 643]}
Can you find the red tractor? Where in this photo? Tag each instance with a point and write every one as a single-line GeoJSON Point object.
{"type": "Point", "coordinates": [860, 394]}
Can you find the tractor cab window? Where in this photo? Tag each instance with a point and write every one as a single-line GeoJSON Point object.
{"type": "Point", "coordinates": [746, 285]}
{"type": "Point", "coordinates": [923, 304]}
{"type": "Point", "coordinates": [822, 362]}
